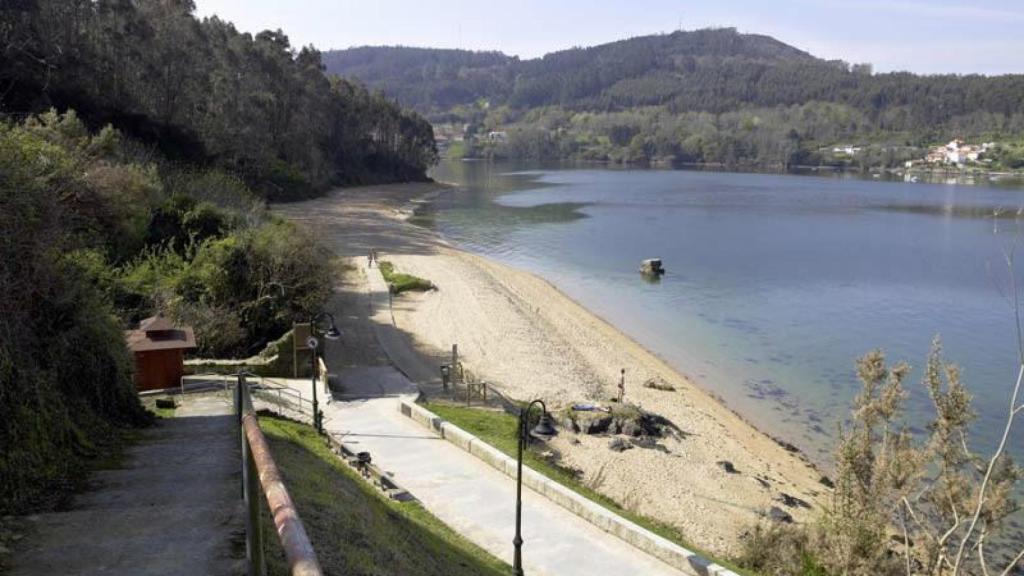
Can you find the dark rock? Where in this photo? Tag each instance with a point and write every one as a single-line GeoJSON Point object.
{"type": "Point", "coordinates": [619, 445]}
{"type": "Point", "coordinates": [657, 383]}
{"type": "Point", "coordinates": [793, 501]}
{"type": "Point", "coordinates": [827, 482]}
{"type": "Point", "coordinates": [727, 466]}
{"type": "Point", "coordinates": [631, 428]}
{"type": "Point", "coordinates": [644, 442]}
{"type": "Point", "coordinates": [787, 446]}
{"type": "Point", "coordinates": [566, 421]}
{"type": "Point", "coordinates": [593, 422]}
{"type": "Point", "coordinates": [168, 403]}
{"type": "Point", "coordinates": [764, 483]}
{"type": "Point", "coordinates": [776, 514]}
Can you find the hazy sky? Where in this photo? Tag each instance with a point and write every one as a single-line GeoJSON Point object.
{"type": "Point", "coordinates": [927, 36]}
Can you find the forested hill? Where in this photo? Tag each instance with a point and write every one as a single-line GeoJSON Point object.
{"type": "Point", "coordinates": [204, 92]}
{"type": "Point", "coordinates": [711, 95]}
{"type": "Point", "coordinates": [647, 69]}
{"type": "Point", "coordinates": [138, 147]}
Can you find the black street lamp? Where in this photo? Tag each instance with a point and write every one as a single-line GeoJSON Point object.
{"type": "Point", "coordinates": [332, 333]}
{"type": "Point", "coordinates": [544, 430]}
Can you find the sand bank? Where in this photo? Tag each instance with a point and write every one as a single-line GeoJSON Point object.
{"type": "Point", "coordinates": [523, 335]}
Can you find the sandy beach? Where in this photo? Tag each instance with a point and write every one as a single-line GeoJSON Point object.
{"type": "Point", "coordinates": [525, 337]}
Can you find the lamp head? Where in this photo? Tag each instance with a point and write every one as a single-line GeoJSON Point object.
{"type": "Point", "coordinates": [544, 430]}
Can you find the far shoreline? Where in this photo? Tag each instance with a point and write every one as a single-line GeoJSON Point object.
{"type": "Point", "coordinates": [964, 177]}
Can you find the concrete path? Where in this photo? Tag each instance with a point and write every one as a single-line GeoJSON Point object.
{"type": "Point", "coordinates": [174, 508]}
{"type": "Point", "coordinates": [464, 492]}
{"type": "Point", "coordinates": [470, 496]}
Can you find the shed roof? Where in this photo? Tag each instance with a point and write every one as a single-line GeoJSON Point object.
{"type": "Point", "coordinates": [159, 333]}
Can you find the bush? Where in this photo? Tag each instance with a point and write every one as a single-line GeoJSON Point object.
{"type": "Point", "coordinates": [891, 488]}
{"type": "Point", "coordinates": [399, 282]}
{"type": "Point", "coordinates": [65, 372]}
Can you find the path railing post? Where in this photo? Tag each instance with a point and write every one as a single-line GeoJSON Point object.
{"type": "Point", "coordinates": [254, 523]}
{"type": "Point", "coordinates": [251, 490]}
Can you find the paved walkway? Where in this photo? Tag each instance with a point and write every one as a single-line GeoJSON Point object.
{"type": "Point", "coordinates": [174, 508]}
{"type": "Point", "coordinates": [470, 496]}
{"type": "Point", "coordinates": [464, 492]}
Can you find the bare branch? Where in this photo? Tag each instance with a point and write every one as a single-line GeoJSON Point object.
{"type": "Point", "coordinates": [1013, 564]}
{"type": "Point", "coordinates": [906, 541]}
{"type": "Point", "coordinates": [981, 555]}
{"type": "Point", "coordinates": [991, 464]}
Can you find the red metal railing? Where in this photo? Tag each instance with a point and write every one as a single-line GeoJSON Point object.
{"type": "Point", "coordinates": [260, 475]}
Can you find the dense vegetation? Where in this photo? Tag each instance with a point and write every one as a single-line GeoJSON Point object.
{"type": "Point", "coordinates": [98, 231]}
{"type": "Point", "coordinates": [706, 96]}
{"type": "Point", "coordinates": [138, 146]}
{"type": "Point", "coordinates": [206, 93]}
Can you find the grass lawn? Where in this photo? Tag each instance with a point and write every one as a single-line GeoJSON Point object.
{"type": "Point", "coordinates": [354, 528]}
{"type": "Point", "coordinates": [499, 430]}
{"type": "Point", "coordinates": [403, 282]}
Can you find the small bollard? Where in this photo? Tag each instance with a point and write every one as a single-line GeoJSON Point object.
{"type": "Point", "coordinates": [446, 374]}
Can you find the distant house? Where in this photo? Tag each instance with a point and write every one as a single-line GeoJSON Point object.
{"type": "Point", "coordinates": [159, 348]}
{"type": "Point", "coordinates": [957, 152]}
{"type": "Point", "coordinates": [848, 150]}
{"type": "Point", "coordinates": [497, 136]}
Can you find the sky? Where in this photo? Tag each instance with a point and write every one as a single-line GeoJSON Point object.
{"type": "Point", "coordinates": [924, 36]}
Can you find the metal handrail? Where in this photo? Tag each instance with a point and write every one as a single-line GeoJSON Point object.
{"type": "Point", "coordinates": [223, 380]}
{"type": "Point", "coordinates": [260, 474]}
{"type": "Point", "coordinates": [282, 391]}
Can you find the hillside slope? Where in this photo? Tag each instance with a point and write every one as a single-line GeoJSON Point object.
{"type": "Point", "coordinates": [712, 95]}
{"type": "Point", "coordinates": [204, 92]}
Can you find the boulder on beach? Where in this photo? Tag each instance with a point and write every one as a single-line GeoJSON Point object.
{"type": "Point", "coordinates": [619, 445]}
{"type": "Point", "coordinates": [727, 466]}
{"type": "Point", "coordinates": [776, 514]}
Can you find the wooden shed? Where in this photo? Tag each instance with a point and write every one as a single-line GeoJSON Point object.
{"type": "Point", "coordinates": [159, 348]}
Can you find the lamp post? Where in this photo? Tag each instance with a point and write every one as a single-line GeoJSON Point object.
{"type": "Point", "coordinates": [542, 431]}
{"type": "Point", "coordinates": [332, 333]}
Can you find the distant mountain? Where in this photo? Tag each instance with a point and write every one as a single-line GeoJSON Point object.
{"type": "Point", "coordinates": [426, 79]}
{"type": "Point", "coordinates": [770, 103]}
{"type": "Point", "coordinates": [712, 70]}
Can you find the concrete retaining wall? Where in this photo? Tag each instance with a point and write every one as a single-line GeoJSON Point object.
{"type": "Point", "coordinates": [669, 552]}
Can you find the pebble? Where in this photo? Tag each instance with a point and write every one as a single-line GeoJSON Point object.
{"type": "Point", "coordinates": [779, 515]}
{"type": "Point", "coordinates": [727, 466]}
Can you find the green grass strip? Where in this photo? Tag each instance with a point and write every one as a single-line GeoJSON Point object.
{"type": "Point", "coordinates": [400, 282]}
{"type": "Point", "coordinates": [499, 430]}
{"type": "Point", "coordinates": [354, 528]}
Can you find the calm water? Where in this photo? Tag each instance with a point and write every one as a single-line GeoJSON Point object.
{"type": "Point", "coordinates": [775, 283]}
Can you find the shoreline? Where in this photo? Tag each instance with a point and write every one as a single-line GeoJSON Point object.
{"type": "Point", "coordinates": [778, 439]}
{"type": "Point", "coordinates": [519, 332]}
{"type": "Point", "coordinates": [892, 174]}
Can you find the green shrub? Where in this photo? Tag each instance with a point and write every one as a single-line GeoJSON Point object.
{"type": "Point", "coordinates": [65, 372]}
{"type": "Point", "coordinates": [399, 282]}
